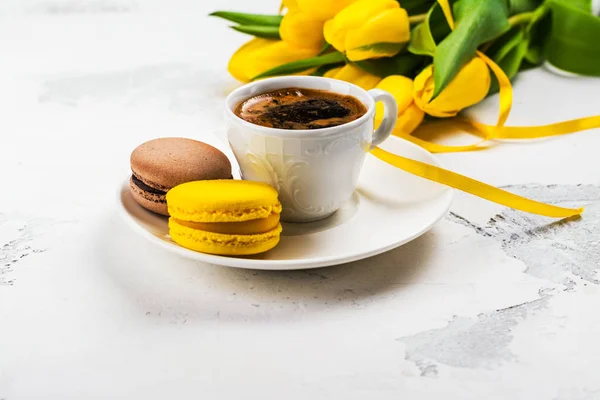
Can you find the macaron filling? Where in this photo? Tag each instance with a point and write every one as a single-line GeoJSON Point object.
{"type": "Point", "coordinates": [137, 182]}
{"type": "Point", "coordinates": [251, 227]}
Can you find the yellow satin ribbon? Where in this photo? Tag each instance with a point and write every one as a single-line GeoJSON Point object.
{"type": "Point", "coordinates": [498, 131]}
{"type": "Point", "coordinates": [487, 132]}
{"type": "Point", "coordinates": [490, 132]}
{"type": "Point", "coordinates": [472, 186]}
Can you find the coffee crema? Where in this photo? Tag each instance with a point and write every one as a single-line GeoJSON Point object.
{"type": "Point", "coordinates": [299, 108]}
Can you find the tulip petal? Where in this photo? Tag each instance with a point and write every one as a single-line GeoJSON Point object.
{"type": "Point", "coordinates": [374, 51]}
{"type": "Point", "coordinates": [259, 55]}
{"type": "Point", "coordinates": [236, 66]}
{"type": "Point", "coordinates": [323, 10]}
{"type": "Point", "coordinates": [332, 72]}
{"type": "Point", "coordinates": [410, 115]}
{"type": "Point", "coordinates": [401, 88]}
{"type": "Point", "coordinates": [390, 27]}
{"type": "Point", "coordinates": [299, 29]}
{"type": "Point", "coordinates": [353, 17]}
{"type": "Point", "coordinates": [291, 5]}
{"type": "Point", "coordinates": [353, 74]}
{"type": "Point", "coordinates": [334, 34]}
{"type": "Point", "coordinates": [408, 121]}
{"type": "Point", "coordinates": [423, 87]}
{"type": "Point", "coordinates": [468, 87]}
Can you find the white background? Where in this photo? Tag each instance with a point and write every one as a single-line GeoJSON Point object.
{"type": "Point", "coordinates": [474, 309]}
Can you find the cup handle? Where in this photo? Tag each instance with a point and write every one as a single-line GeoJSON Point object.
{"type": "Point", "coordinates": [390, 115]}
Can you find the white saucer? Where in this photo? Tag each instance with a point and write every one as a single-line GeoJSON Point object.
{"type": "Point", "coordinates": [389, 208]}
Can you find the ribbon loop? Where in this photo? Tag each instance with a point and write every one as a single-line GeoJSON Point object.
{"type": "Point", "coordinates": [486, 132]}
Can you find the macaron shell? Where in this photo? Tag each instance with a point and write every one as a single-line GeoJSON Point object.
{"type": "Point", "coordinates": [150, 201]}
{"type": "Point", "coordinates": [222, 201]}
{"type": "Point", "coordinates": [167, 162]}
{"type": "Point", "coordinates": [223, 244]}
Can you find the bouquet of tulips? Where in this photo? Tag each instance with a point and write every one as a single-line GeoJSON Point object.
{"type": "Point", "coordinates": [435, 57]}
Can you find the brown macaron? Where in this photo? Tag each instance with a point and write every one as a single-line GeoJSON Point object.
{"type": "Point", "coordinates": [161, 164]}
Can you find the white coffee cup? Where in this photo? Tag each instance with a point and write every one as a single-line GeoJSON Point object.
{"type": "Point", "coordinates": [314, 170]}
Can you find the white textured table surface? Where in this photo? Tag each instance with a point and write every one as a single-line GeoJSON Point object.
{"type": "Point", "coordinates": [491, 304]}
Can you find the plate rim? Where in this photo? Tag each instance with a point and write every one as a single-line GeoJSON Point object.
{"type": "Point", "coordinates": [249, 263]}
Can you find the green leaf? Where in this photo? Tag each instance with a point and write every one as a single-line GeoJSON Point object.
{"type": "Point", "coordinates": [421, 39]}
{"type": "Point", "coordinates": [382, 47]}
{"type": "Point", "coordinates": [574, 44]}
{"type": "Point", "coordinates": [505, 43]}
{"type": "Point", "coordinates": [508, 52]}
{"type": "Point", "coordinates": [476, 22]}
{"type": "Point", "coordinates": [424, 36]}
{"type": "Point", "coordinates": [511, 62]}
{"type": "Point", "coordinates": [439, 26]}
{"type": "Point", "coordinates": [526, 66]}
{"type": "Point", "coordinates": [303, 65]}
{"type": "Point", "coordinates": [537, 34]}
{"type": "Point", "coordinates": [325, 49]}
{"type": "Point", "coordinates": [324, 68]}
{"type": "Point", "coordinates": [261, 31]}
{"type": "Point", "coordinates": [249, 19]}
{"type": "Point", "coordinates": [521, 6]}
{"type": "Point", "coordinates": [583, 5]}
{"type": "Point", "coordinates": [401, 64]}
{"type": "Point", "coordinates": [413, 7]}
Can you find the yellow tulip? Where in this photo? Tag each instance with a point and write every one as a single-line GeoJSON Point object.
{"type": "Point", "coordinates": [301, 30]}
{"type": "Point", "coordinates": [289, 4]}
{"type": "Point", "coordinates": [409, 115]}
{"type": "Point", "coordinates": [409, 120]}
{"type": "Point", "coordinates": [398, 86]}
{"type": "Point", "coordinates": [369, 29]}
{"type": "Point", "coordinates": [468, 87]}
{"type": "Point", "coordinates": [353, 74]}
{"type": "Point", "coordinates": [321, 10]}
{"type": "Point", "coordinates": [259, 55]}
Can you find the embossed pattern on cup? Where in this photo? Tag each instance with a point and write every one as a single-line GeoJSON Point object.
{"type": "Point", "coordinates": [313, 176]}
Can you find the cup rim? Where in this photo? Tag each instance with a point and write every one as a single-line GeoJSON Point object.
{"type": "Point", "coordinates": [300, 133]}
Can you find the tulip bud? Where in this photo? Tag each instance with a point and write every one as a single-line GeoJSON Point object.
{"type": "Point", "coordinates": [351, 73]}
{"type": "Point", "coordinates": [468, 87]}
{"type": "Point", "coordinates": [321, 10]}
{"type": "Point", "coordinates": [369, 29]}
{"type": "Point", "coordinates": [260, 55]}
{"type": "Point", "coordinates": [409, 115]}
{"type": "Point", "coordinates": [301, 30]}
{"type": "Point", "coordinates": [291, 5]}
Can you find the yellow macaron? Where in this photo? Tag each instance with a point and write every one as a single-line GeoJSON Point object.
{"type": "Point", "coordinates": [225, 217]}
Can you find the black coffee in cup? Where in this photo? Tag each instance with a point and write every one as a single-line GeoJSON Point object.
{"type": "Point", "coordinates": [298, 108]}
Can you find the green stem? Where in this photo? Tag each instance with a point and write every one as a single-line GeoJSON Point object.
{"type": "Point", "coordinates": [522, 18]}
{"type": "Point", "coordinates": [415, 19]}
{"type": "Point", "coordinates": [486, 46]}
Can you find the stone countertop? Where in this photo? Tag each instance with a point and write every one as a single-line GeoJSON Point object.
{"type": "Point", "coordinates": [490, 304]}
